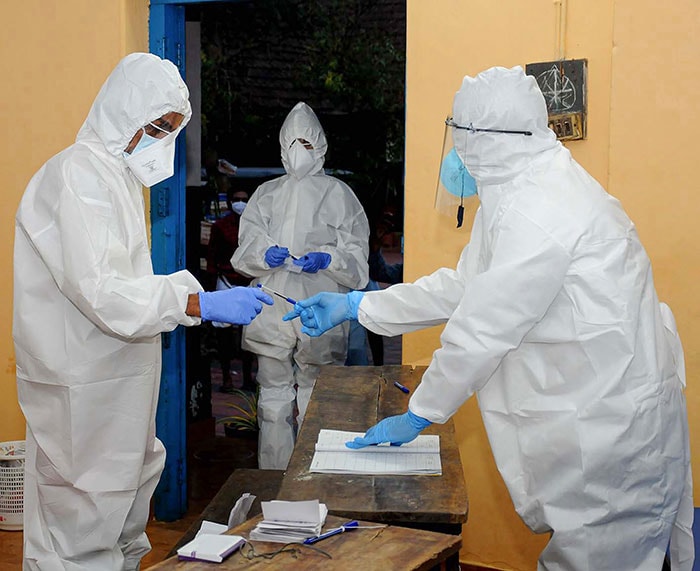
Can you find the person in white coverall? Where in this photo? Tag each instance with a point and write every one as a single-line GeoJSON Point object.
{"type": "Point", "coordinates": [88, 313]}
{"type": "Point", "coordinates": [553, 320]}
{"type": "Point", "coordinates": [302, 233]}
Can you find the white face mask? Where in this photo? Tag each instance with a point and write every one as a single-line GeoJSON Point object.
{"type": "Point", "coordinates": [301, 160]}
{"type": "Point", "coordinates": [155, 162]}
{"type": "Point", "coordinates": [238, 207]}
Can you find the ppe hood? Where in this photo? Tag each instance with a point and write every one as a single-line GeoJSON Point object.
{"type": "Point", "coordinates": [503, 99]}
{"type": "Point", "coordinates": [302, 123]}
{"type": "Point", "coordinates": [142, 88]}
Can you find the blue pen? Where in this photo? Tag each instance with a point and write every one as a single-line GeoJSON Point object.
{"type": "Point", "coordinates": [346, 526]}
{"type": "Point", "coordinates": [272, 291]}
{"type": "Point", "coordinates": [399, 386]}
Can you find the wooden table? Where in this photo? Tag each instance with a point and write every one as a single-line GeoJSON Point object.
{"type": "Point", "coordinates": [263, 484]}
{"type": "Point", "coordinates": [395, 548]}
{"type": "Point", "coordinates": [355, 398]}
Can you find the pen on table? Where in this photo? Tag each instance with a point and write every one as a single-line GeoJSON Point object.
{"type": "Point", "coordinates": [346, 526]}
{"type": "Point", "coordinates": [272, 291]}
{"type": "Point", "coordinates": [399, 386]}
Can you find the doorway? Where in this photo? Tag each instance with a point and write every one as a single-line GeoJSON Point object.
{"type": "Point", "coordinates": [258, 59]}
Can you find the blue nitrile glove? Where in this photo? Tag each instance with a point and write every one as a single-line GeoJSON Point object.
{"type": "Point", "coordinates": [313, 261]}
{"type": "Point", "coordinates": [395, 429]}
{"type": "Point", "coordinates": [275, 256]}
{"type": "Point", "coordinates": [238, 305]}
{"type": "Point", "coordinates": [325, 310]}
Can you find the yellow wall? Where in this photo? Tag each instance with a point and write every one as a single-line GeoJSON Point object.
{"type": "Point", "coordinates": [54, 56]}
{"type": "Point", "coordinates": [642, 117]}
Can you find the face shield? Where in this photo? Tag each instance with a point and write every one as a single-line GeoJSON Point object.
{"type": "Point", "coordinates": [456, 188]}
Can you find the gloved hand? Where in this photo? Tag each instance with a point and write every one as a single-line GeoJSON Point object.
{"type": "Point", "coordinates": [275, 256]}
{"type": "Point", "coordinates": [325, 310]}
{"type": "Point", "coordinates": [395, 429]}
{"type": "Point", "coordinates": [238, 305]}
{"type": "Point", "coordinates": [313, 261]}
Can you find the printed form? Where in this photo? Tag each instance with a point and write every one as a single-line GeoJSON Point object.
{"type": "Point", "coordinates": [419, 457]}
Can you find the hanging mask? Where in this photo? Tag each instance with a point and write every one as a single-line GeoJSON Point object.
{"type": "Point", "coordinates": [154, 161]}
{"type": "Point", "coordinates": [455, 184]}
{"type": "Point", "coordinates": [455, 177]}
{"type": "Point", "coordinates": [301, 160]}
{"type": "Point", "coordinates": [238, 207]}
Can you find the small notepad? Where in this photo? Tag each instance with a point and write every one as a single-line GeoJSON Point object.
{"type": "Point", "coordinates": [209, 547]}
{"type": "Point", "coordinates": [421, 456]}
{"type": "Point", "coordinates": [290, 522]}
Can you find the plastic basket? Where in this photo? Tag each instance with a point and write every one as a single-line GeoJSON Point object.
{"type": "Point", "coordinates": [12, 455]}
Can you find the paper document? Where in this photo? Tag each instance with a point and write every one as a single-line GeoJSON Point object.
{"type": "Point", "coordinates": [421, 456]}
{"type": "Point", "coordinates": [208, 547]}
{"type": "Point", "coordinates": [290, 522]}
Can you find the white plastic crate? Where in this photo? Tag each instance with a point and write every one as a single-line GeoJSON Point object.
{"type": "Point", "coordinates": [12, 455]}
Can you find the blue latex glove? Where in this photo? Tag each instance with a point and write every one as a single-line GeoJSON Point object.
{"type": "Point", "coordinates": [275, 256]}
{"type": "Point", "coordinates": [238, 305]}
{"type": "Point", "coordinates": [396, 429]}
{"type": "Point", "coordinates": [325, 310]}
{"type": "Point", "coordinates": [313, 261]}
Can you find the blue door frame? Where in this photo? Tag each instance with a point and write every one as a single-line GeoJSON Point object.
{"type": "Point", "coordinates": [166, 38]}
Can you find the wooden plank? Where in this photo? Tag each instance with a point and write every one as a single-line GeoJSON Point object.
{"type": "Point", "coordinates": [355, 398]}
{"type": "Point", "coordinates": [390, 547]}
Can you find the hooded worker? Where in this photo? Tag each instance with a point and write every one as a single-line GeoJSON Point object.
{"type": "Point", "coordinates": [552, 319]}
{"type": "Point", "coordinates": [302, 233]}
{"type": "Point", "coordinates": [88, 313]}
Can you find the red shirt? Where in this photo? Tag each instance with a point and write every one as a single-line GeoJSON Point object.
{"type": "Point", "coordinates": [222, 243]}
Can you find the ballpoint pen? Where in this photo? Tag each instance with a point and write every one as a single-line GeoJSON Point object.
{"type": "Point", "coordinates": [399, 386]}
{"type": "Point", "coordinates": [290, 255]}
{"type": "Point", "coordinates": [345, 527]}
{"type": "Point", "coordinates": [272, 291]}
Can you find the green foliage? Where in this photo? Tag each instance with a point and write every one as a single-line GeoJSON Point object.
{"type": "Point", "coordinates": [245, 415]}
{"type": "Point", "coordinates": [343, 57]}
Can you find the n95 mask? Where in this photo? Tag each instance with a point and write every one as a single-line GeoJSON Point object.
{"type": "Point", "coordinates": [301, 160]}
{"type": "Point", "coordinates": [155, 162]}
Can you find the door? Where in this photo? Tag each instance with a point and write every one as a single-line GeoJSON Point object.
{"type": "Point", "coordinates": [166, 38]}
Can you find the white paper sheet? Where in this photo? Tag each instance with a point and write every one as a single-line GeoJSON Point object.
{"type": "Point", "coordinates": [421, 456]}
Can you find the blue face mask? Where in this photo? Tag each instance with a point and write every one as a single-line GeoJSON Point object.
{"type": "Point", "coordinates": [455, 177]}
{"type": "Point", "coordinates": [145, 141]}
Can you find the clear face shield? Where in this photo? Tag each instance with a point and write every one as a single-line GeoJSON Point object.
{"type": "Point", "coordinates": [456, 188]}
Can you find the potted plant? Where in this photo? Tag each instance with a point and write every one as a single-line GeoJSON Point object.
{"type": "Point", "coordinates": [243, 422]}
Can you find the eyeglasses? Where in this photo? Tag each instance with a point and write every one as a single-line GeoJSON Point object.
{"type": "Point", "coordinates": [450, 123]}
{"type": "Point", "coordinates": [158, 131]}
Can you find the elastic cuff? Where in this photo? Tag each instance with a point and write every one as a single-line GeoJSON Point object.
{"type": "Point", "coordinates": [354, 299]}
{"type": "Point", "coordinates": [418, 422]}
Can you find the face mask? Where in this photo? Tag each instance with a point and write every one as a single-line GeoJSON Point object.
{"type": "Point", "coordinates": [455, 177]}
{"type": "Point", "coordinates": [301, 160]}
{"type": "Point", "coordinates": [238, 207]}
{"type": "Point", "coordinates": [145, 141]}
{"type": "Point", "coordinates": [155, 162]}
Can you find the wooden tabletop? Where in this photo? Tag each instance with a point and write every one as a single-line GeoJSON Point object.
{"type": "Point", "coordinates": [353, 399]}
{"type": "Point", "coordinates": [390, 547]}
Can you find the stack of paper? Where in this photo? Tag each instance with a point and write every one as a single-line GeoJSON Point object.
{"type": "Point", "coordinates": [210, 547]}
{"type": "Point", "coordinates": [421, 456]}
{"type": "Point", "coordinates": [290, 522]}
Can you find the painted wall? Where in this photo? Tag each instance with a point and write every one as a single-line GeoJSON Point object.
{"type": "Point", "coordinates": [54, 56]}
{"type": "Point", "coordinates": [642, 118]}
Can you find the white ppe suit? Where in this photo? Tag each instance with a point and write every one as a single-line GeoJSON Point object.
{"type": "Point", "coordinates": [313, 213]}
{"type": "Point", "coordinates": [552, 319]}
{"type": "Point", "coordinates": [88, 313]}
